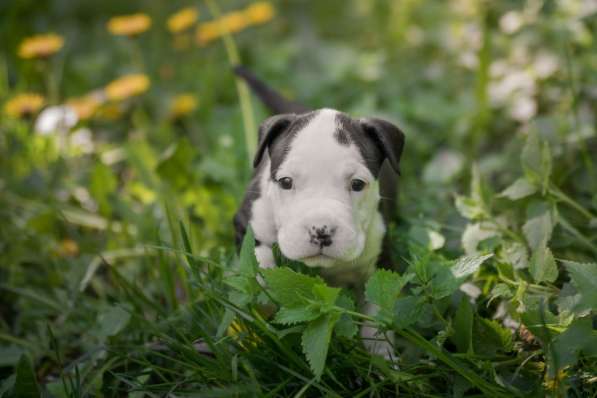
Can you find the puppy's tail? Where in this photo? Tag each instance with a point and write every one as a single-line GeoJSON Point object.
{"type": "Point", "coordinates": [272, 99]}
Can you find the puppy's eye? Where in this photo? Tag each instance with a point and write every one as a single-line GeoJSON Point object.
{"type": "Point", "coordinates": [285, 183]}
{"type": "Point", "coordinates": [357, 185]}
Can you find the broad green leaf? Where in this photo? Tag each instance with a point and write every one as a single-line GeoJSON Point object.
{"type": "Point", "coordinates": [579, 337]}
{"type": "Point", "coordinates": [382, 289]}
{"type": "Point", "coordinates": [111, 321]}
{"type": "Point", "coordinates": [10, 355]}
{"type": "Point", "coordinates": [345, 326]}
{"type": "Point", "coordinates": [539, 225]}
{"type": "Point", "coordinates": [500, 290]}
{"type": "Point", "coordinates": [476, 233]}
{"type": "Point", "coordinates": [468, 265]}
{"type": "Point", "coordinates": [290, 316]}
{"type": "Point", "coordinates": [489, 337]}
{"type": "Point", "coordinates": [444, 166]}
{"type": "Point", "coordinates": [407, 311]}
{"type": "Point", "coordinates": [469, 208]}
{"type": "Point", "coordinates": [316, 340]}
{"type": "Point", "coordinates": [584, 278]}
{"type": "Point", "coordinates": [446, 280]}
{"type": "Point", "coordinates": [521, 188]}
{"type": "Point", "coordinates": [463, 326]}
{"type": "Point", "coordinates": [26, 382]}
{"type": "Point", "coordinates": [543, 266]}
{"type": "Point", "coordinates": [290, 288]}
{"type": "Point", "coordinates": [537, 317]}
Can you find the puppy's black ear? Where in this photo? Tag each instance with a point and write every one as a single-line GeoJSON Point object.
{"type": "Point", "coordinates": [388, 137]}
{"type": "Point", "coordinates": [269, 130]}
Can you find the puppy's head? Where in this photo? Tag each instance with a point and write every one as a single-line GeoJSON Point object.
{"type": "Point", "coordinates": [323, 181]}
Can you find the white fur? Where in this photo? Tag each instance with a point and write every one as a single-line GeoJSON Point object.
{"type": "Point", "coordinates": [321, 169]}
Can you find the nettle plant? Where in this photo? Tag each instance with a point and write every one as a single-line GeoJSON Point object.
{"type": "Point", "coordinates": [523, 226]}
{"type": "Point", "coordinates": [306, 305]}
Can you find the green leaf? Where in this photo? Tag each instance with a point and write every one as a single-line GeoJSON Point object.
{"type": "Point", "coordinates": [536, 161]}
{"type": "Point", "coordinates": [102, 183]}
{"type": "Point", "coordinates": [515, 254]}
{"type": "Point", "coordinates": [490, 337]}
{"type": "Point", "coordinates": [248, 262]}
{"type": "Point", "coordinates": [521, 188]}
{"type": "Point", "coordinates": [584, 278]}
{"type": "Point", "coordinates": [316, 340]}
{"type": "Point", "coordinates": [579, 337]}
{"type": "Point", "coordinates": [290, 316]}
{"type": "Point", "coordinates": [539, 225]}
{"type": "Point", "coordinates": [174, 166]}
{"type": "Point", "coordinates": [543, 266]}
{"type": "Point", "coordinates": [500, 290]}
{"type": "Point", "coordinates": [345, 326]}
{"type": "Point", "coordinates": [476, 233]}
{"type": "Point", "coordinates": [382, 289]}
{"type": "Point", "coordinates": [463, 327]}
{"type": "Point", "coordinates": [469, 208]}
{"type": "Point", "coordinates": [290, 288]}
{"type": "Point", "coordinates": [407, 310]}
{"type": "Point", "coordinates": [468, 265]}
{"type": "Point", "coordinates": [111, 321]}
{"type": "Point", "coordinates": [26, 382]}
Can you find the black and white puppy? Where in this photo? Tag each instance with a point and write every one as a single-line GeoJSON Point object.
{"type": "Point", "coordinates": [317, 188]}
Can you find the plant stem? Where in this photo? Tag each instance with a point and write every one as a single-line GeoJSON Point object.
{"type": "Point", "coordinates": [241, 87]}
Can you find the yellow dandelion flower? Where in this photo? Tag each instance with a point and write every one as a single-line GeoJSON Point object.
{"type": "Point", "coordinates": [127, 86]}
{"type": "Point", "coordinates": [233, 22]}
{"type": "Point", "coordinates": [40, 46]}
{"type": "Point", "coordinates": [260, 12]}
{"type": "Point", "coordinates": [86, 106]}
{"type": "Point", "coordinates": [112, 111]}
{"type": "Point", "coordinates": [207, 32]}
{"type": "Point", "coordinates": [22, 105]}
{"type": "Point", "coordinates": [183, 105]}
{"type": "Point", "coordinates": [129, 25]}
{"type": "Point", "coordinates": [67, 248]}
{"type": "Point", "coordinates": [182, 20]}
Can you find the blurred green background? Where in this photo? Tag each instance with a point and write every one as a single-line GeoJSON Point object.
{"type": "Point", "coordinates": [468, 81]}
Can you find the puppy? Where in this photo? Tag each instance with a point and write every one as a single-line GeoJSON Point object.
{"type": "Point", "coordinates": [323, 189]}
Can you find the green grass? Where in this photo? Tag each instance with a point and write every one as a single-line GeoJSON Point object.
{"type": "Point", "coordinates": [118, 274]}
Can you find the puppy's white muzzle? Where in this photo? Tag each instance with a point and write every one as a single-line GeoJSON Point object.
{"type": "Point", "coordinates": [320, 232]}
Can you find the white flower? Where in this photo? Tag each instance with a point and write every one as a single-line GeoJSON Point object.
{"type": "Point", "coordinates": [82, 140]}
{"type": "Point", "coordinates": [55, 119]}
{"type": "Point", "coordinates": [510, 22]}
{"type": "Point", "coordinates": [523, 109]}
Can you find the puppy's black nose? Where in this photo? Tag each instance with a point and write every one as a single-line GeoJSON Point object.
{"type": "Point", "coordinates": [322, 236]}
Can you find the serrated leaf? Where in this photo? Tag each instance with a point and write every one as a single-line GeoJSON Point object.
{"type": "Point", "coordinates": [382, 289]}
{"type": "Point", "coordinates": [290, 288]}
{"type": "Point", "coordinates": [539, 225]}
{"type": "Point", "coordinates": [490, 337]}
{"type": "Point", "coordinates": [407, 310]}
{"type": "Point", "coordinates": [316, 341]}
{"type": "Point", "coordinates": [584, 278]}
{"type": "Point", "coordinates": [468, 265]}
{"type": "Point", "coordinates": [543, 266]}
{"type": "Point", "coordinates": [26, 382]}
{"type": "Point", "coordinates": [521, 188]}
{"type": "Point", "coordinates": [500, 290]}
{"type": "Point", "coordinates": [463, 327]}
{"type": "Point", "coordinates": [291, 316]}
